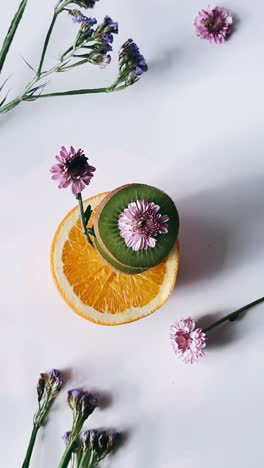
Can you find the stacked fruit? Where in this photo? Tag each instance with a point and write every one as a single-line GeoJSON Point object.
{"type": "Point", "coordinates": [109, 241]}
{"type": "Point", "coordinates": [132, 270]}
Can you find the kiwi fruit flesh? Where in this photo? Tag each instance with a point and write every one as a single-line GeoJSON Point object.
{"type": "Point", "coordinates": [112, 246]}
{"type": "Point", "coordinates": [117, 266]}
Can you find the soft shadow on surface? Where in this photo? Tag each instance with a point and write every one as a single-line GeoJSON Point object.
{"type": "Point", "coordinates": [165, 61]}
{"type": "Point", "coordinates": [222, 335]}
{"type": "Point", "coordinates": [67, 376]}
{"type": "Point", "coordinates": [227, 331]}
{"type": "Point", "coordinates": [220, 227]}
{"type": "Point", "coordinates": [105, 399]}
{"type": "Point", "coordinates": [236, 23]}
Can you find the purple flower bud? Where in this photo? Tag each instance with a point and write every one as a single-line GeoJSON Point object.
{"type": "Point", "coordinates": [53, 381]}
{"type": "Point", "coordinates": [54, 373]}
{"type": "Point", "coordinates": [88, 3]}
{"type": "Point", "coordinates": [111, 26]}
{"type": "Point", "coordinates": [80, 18]}
{"type": "Point", "coordinates": [85, 3]}
{"type": "Point", "coordinates": [113, 437]}
{"type": "Point", "coordinates": [81, 402]}
{"type": "Point", "coordinates": [132, 64]}
{"type": "Point", "coordinates": [41, 387]}
{"type": "Point", "coordinates": [49, 384]}
{"type": "Point", "coordinates": [74, 393]}
{"type": "Point", "coordinates": [106, 442]}
{"type": "Point", "coordinates": [66, 437]}
{"type": "Point", "coordinates": [100, 442]}
{"type": "Point", "coordinates": [88, 439]}
{"type": "Point", "coordinates": [108, 38]}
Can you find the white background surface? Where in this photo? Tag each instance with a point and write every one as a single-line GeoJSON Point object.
{"type": "Point", "coordinates": [194, 127]}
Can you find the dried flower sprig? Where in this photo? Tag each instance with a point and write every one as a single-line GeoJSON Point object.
{"type": "Point", "coordinates": [72, 168]}
{"type": "Point", "coordinates": [84, 449]}
{"type": "Point", "coordinates": [95, 446]}
{"type": "Point", "coordinates": [188, 342]}
{"type": "Point", "coordinates": [48, 387]}
{"type": "Point", "coordinates": [91, 447]}
{"type": "Point", "coordinates": [91, 45]}
{"type": "Point", "coordinates": [82, 405]}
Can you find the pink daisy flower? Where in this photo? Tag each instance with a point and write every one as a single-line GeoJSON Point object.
{"type": "Point", "coordinates": [72, 168]}
{"type": "Point", "coordinates": [140, 224]}
{"type": "Point", "coordinates": [187, 341]}
{"type": "Point", "coordinates": [214, 25]}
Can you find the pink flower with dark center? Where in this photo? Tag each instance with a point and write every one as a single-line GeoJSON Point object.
{"type": "Point", "coordinates": [72, 168]}
{"type": "Point", "coordinates": [187, 341]}
{"type": "Point", "coordinates": [140, 224]}
{"type": "Point", "coordinates": [215, 24]}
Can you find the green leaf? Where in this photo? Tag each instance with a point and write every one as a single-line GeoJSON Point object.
{"type": "Point", "coordinates": [4, 100]}
{"type": "Point", "coordinates": [76, 64]}
{"type": "Point", "coordinates": [28, 64]}
{"type": "Point", "coordinates": [75, 92]}
{"type": "Point", "coordinates": [91, 231]}
{"type": "Point", "coordinates": [87, 214]}
{"type": "Point", "coordinates": [3, 84]}
{"type": "Point", "coordinates": [11, 32]}
{"type": "Point", "coordinates": [82, 56]}
{"type": "Point", "coordinates": [31, 94]}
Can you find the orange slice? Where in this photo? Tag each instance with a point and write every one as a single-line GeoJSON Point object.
{"type": "Point", "coordinates": [93, 289]}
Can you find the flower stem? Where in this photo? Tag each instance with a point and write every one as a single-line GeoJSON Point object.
{"type": "Point", "coordinates": [72, 93]}
{"type": "Point", "coordinates": [233, 316]}
{"type": "Point", "coordinates": [67, 455]}
{"type": "Point", "coordinates": [82, 215]}
{"type": "Point", "coordinates": [46, 43]}
{"type": "Point", "coordinates": [10, 105]}
{"type": "Point", "coordinates": [31, 446]}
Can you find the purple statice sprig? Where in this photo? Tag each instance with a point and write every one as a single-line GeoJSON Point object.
{"type": "Point", "coordinates": [82, 404]}
{"type": "Point", "coordinates": [48, 387]}
{"type": "Point", "coordinates": [132, 64]}
{"type": "Point", "coordinates": [92, 446]}
{"type": "Point", "coordinates": [93, 44]}
{"type": "Point", "coordinates": [95, 445]}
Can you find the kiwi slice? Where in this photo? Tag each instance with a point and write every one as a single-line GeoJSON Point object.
{"type": "Point", "coordinates": [117, 266]}
{"type": "Point", "coordinates": [108, 235]}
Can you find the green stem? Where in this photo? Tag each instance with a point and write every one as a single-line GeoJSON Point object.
{"type": "Point", "coordinates": [81, 460]}
{"type": "Point", "coordinates": [72, 93]}
{"type": "Point", "coordinates": [233, 316]}
{"type": "Point", "coordinates": [82, 215]}
{"type": "Point", "coordinates": [10, 105]}
{"type": "Point", "coordinates": [11, 33]}
{"type": "Point", "coordinates": [46, 43]}
{"type": "Point", "coordinates": [70, 49]}
{"type": "Point", "coordinates": [67, 455]}
{"type": "Point", "coordinates": [30, 446]}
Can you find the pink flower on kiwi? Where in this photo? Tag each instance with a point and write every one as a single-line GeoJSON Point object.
{"type": "Point", "coordinates": [141, 223]}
